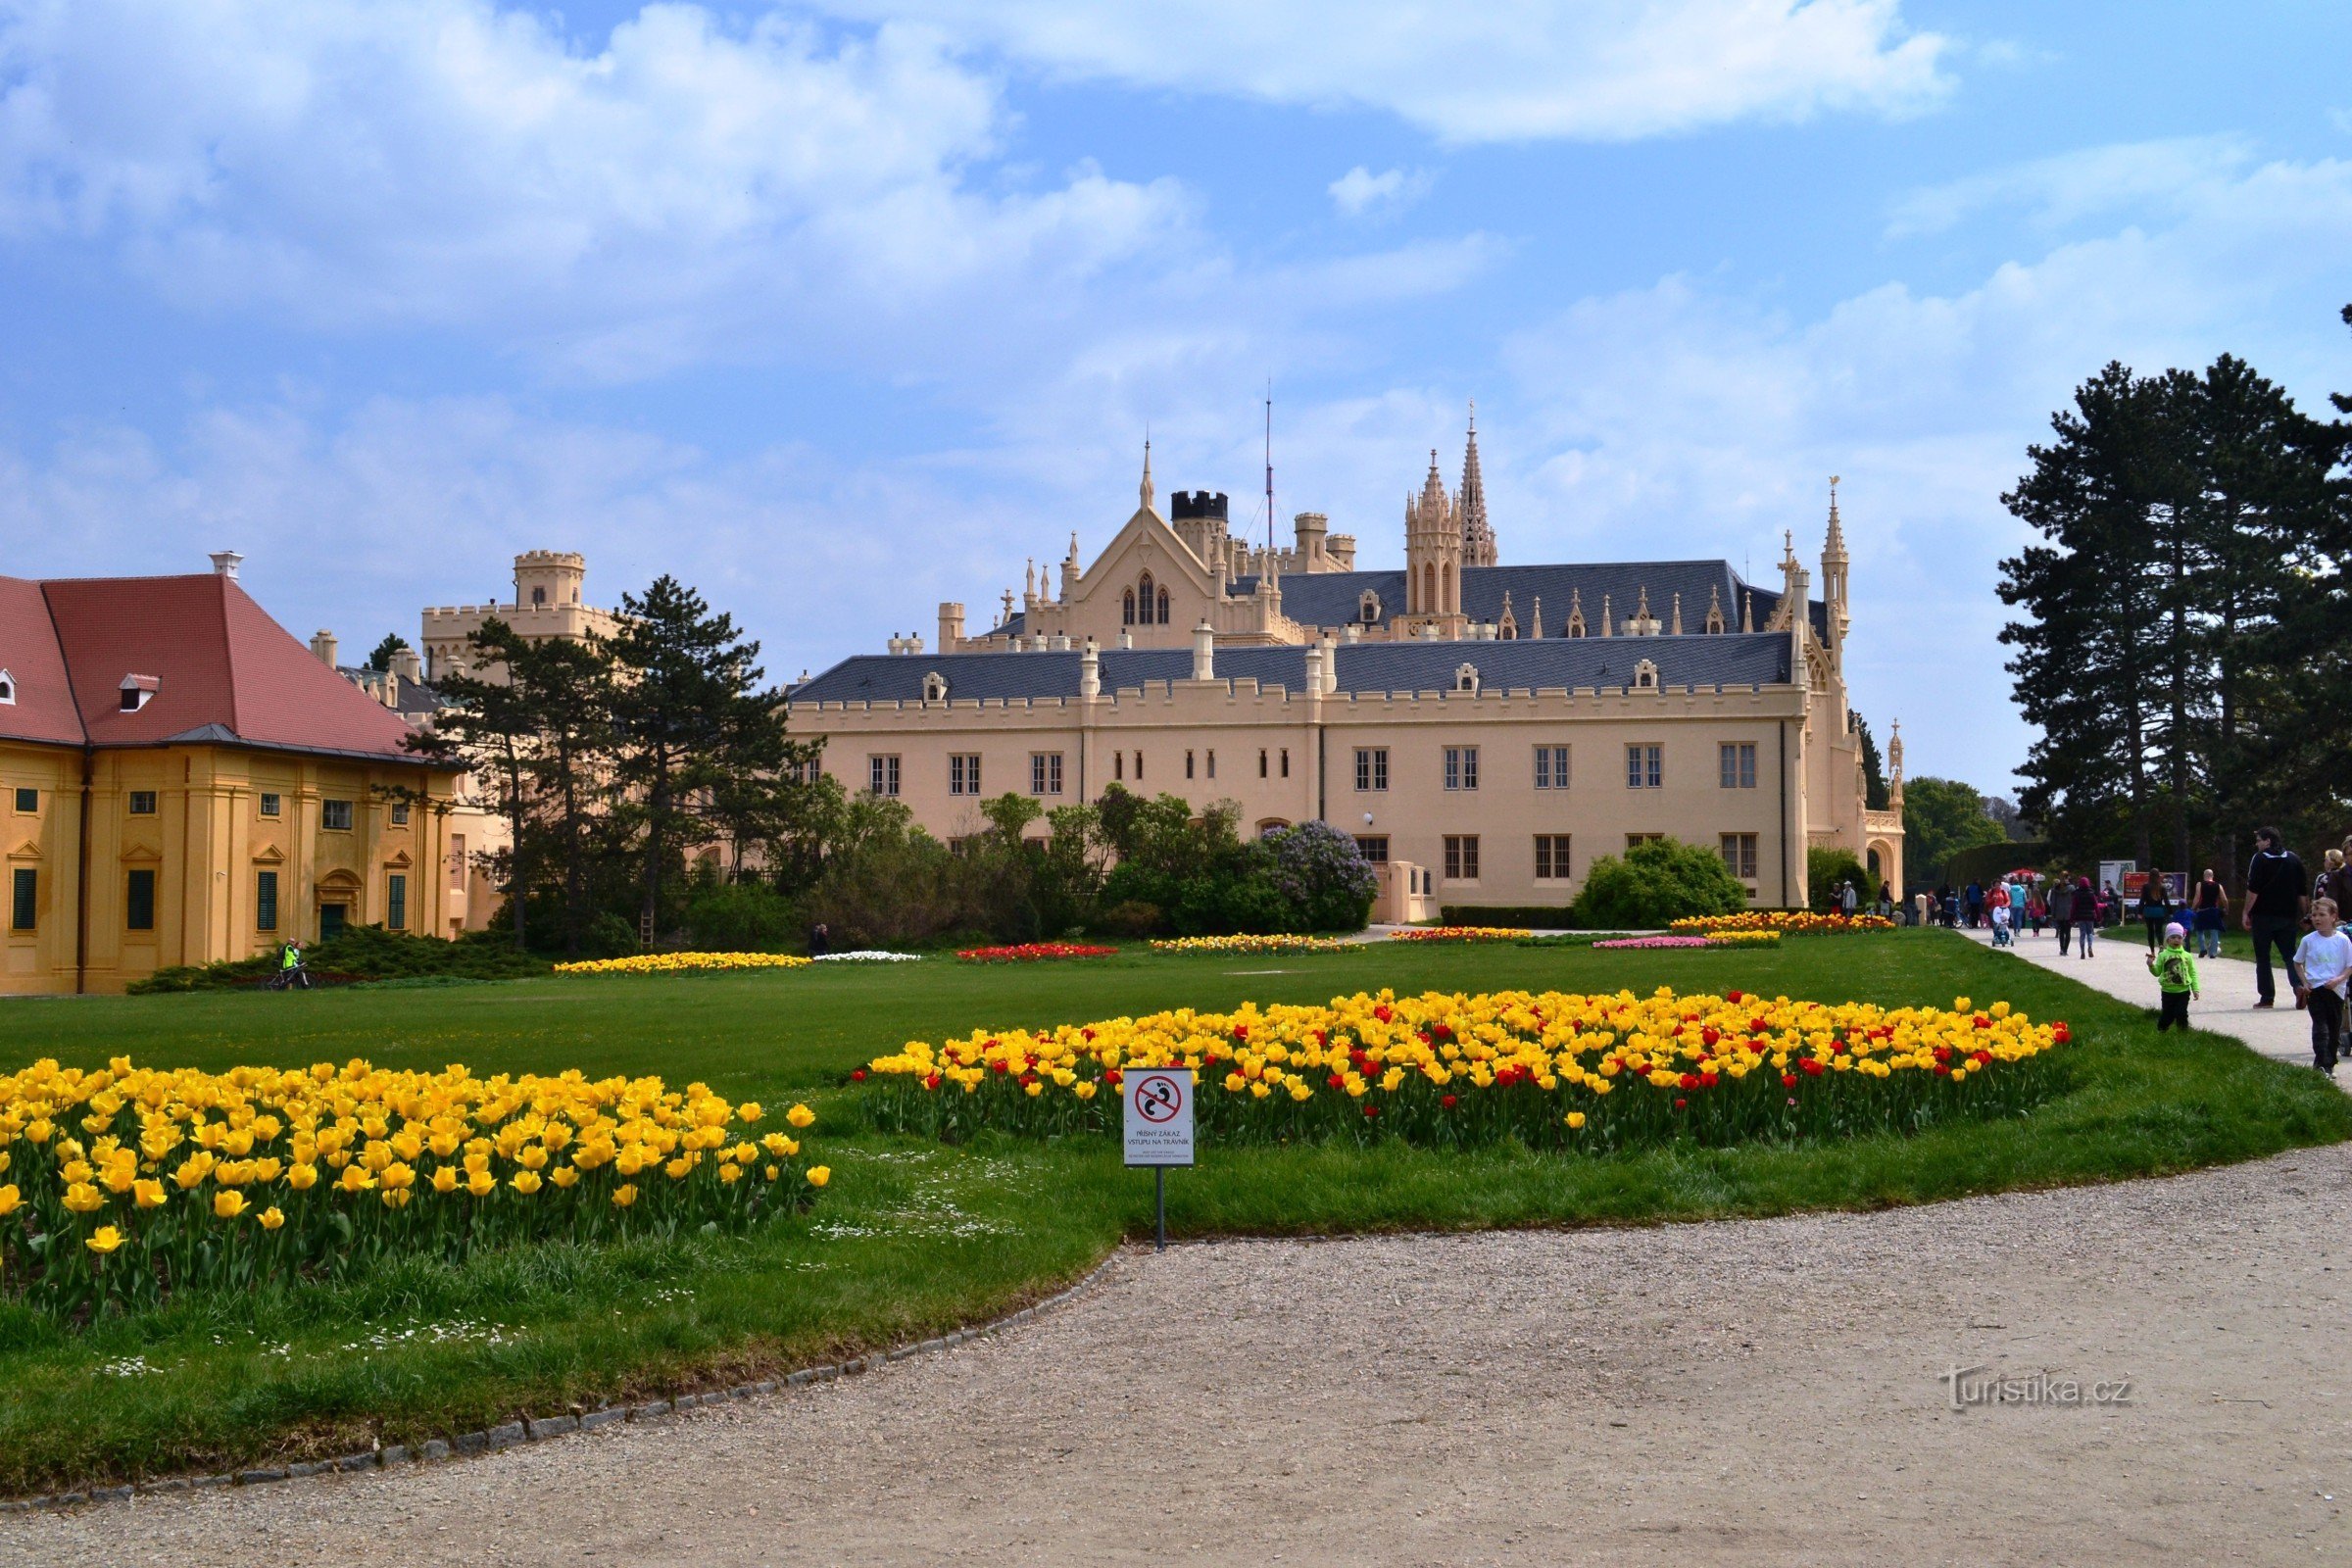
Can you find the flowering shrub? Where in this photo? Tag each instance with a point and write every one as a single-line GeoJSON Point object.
{"type": "Point", "coordinates": [682, 964]}
{"type": "Point", "coordinates": [866, 955]}
{"type": "Point", "coordinates": [1034, 951]}
{"type": "Point", "coordinates": [1743, 939]}
{"type": "Point", "coordinates": [1652, 942]}
{"type": "Point", "coordinates": [1255, 945]}
{"type": "Point", "coordinates": [1461, 933]}
{"type": "Point", "coordinates": [129, 1183]}
{"type": "Point", "coordinates": [1800, 922]}
{"type": "Point", "coordinates": [1552, 1069]}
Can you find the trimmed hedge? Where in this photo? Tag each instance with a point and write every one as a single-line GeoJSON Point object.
{"type": "Point", "coordinates": [1549, 917]}
{"type": "Point", "coordinates": [1981, 862]}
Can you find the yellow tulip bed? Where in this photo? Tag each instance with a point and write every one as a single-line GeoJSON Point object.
{"type": "Point", "coordinates": [1461, 933]}
{"type": "Point", "coordinates": [1253, 946]}
{"type": "Point", "coordinates": [683, 963]}
{"type": "Point", "coordinates": [120, 1186]}
{"type": "Point", "coordinates": [1794, 922]}
{"type": "Point", "coordinates": [1552, 1069]}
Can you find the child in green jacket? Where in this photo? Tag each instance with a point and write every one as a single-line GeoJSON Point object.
{"type": "Point", "coordinates": [2175, 970]}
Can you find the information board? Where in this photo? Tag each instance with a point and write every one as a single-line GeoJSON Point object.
{"type": "Point", "coordinates": [1160, 1115]}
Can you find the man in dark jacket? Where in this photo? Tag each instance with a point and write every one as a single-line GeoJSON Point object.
{"type": "Point", "coordinates": [2062, 908]}
{"type": "Point", "coordinates": [2276, 893]}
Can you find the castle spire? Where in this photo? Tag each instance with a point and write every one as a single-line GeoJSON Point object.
{"type": "Point", "coordinates": [1747, 610]}
{"type": "Point", "coordinates": [1145, 489]}
{"type": "Point", "coordinates": [1676, 626]}
{"type": "Point", "coordinates": [1834, 547]}
{"type": "Point", "coordinates": [1477, 539]}
{"type": "Point", "coordinates": [1537, 629]}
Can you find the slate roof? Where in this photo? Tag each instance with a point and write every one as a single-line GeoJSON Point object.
{"type": "Point", "coordinates": [1729, 658]}
{"type": "Point", "coordinates": [1335, 598]}
{"type": "Point", "coordinates": [224, 671]}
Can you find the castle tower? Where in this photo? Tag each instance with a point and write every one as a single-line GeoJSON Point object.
{"type": "Point", "coordinates": [1433, 554]}
{"type": "Point", "coordinates": [1834, 578]}
{"type": "Point", "coordinates": [547, 578]}
{"type": "Point", "coordinates": [1470, 505]}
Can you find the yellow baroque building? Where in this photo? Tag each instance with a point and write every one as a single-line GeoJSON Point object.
{"type": "Point", "coordinates": [183, 782]}
{"type": "Point", "coordinates": [1485, 731]}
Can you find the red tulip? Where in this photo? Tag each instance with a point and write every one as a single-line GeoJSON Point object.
{"type": "Point", "coordinates": [1447, 1100]}
{"type": "Point", "coordinates": [858, 1076]}
{"type": "Point", "coordinates": [1789, 1081]}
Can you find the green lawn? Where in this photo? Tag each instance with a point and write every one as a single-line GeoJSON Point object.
{"type": "Point", "coordinates": [913, 1237]}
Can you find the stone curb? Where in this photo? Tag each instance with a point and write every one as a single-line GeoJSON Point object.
{"type": "Point", "coordinates": [542, 1429]}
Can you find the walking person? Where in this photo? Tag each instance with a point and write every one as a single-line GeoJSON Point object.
{"type": "Point", "coordinates": [1848, 901]}
{"type": "Point", "coordinates": [1886, 901]}
{"type": "Point", "coordinates": [2086, 915]}
{"type": "Point", "coordinates": [1974, 897]}
{"type": "Point", "coordinates": [2176, 972]}
{"type": "Point", "coordinates": [2335, 881]}
{"type": "Point", "coordinates": [2155, 908]}
{"type": "Point", "coordinates": [2038, 909]}
{"type": "Point", "coordinates": [2326, 957]}
{"type": "Point", "coordinates": [2062, 909]}
{"type": "Point", "coordinates": [2209, 912]}
{"type": "Point", "coordinates": [2278, 894]}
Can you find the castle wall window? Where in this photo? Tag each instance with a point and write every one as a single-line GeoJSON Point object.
{"type": "Point", "coordinates": [8, 687]}
{"type": "Point", "coordinates": [1211, 759]}
{"type": "Point", "coordinates": [1551, 767]}
{"type": "Point", "coordinates": [143, 803]}
{"type": "Point", "coordinates": [27, 800]}
{"type": "Point", "coordinates": [24, 901]}
{"type": "Point", "coordinates": [335, 815]}
{"type": "Point", "coordinates": [396, 901]}
{"type": "Point", "coordinates": [1187, 764]}
{"type": "Point", "coordinates": [1138, 767]}
{"type": "Point", "coordinates": [1372, 768]}
{"type": "Point", "coordinates": [400, 814]}
{"type": "Point", "coordinates": [1462, 767]}
{"type": "Point", "coordinates": [1373, 847]}
{"type": "Point", "coordinates": [265, 901]}
{"type": "Point", "coordinates": [1261, 761]}
{"type": "Point", "coordinates": [1740, 855]}
{"type": "Point", "coordinates": [1634, 841]}
{"type": "Point", "coordinates": [272, 804]}
{"type": "Point", "coordinates": [963, 774]}
{"type": "Point", "coordinates": [1163, 607]}
{"type": "Point", "coordinates": [1551, 856]}
{"type": "Point", "coordinates": [1645, 768]}
{"type": "Point", "coordinates": [1118, 765]}
{"type": "Point", "coordinates": [138, 900]}
{"type": "Point", "coordinates": [1286, 761]}
{"type": "Point", "coordinates": [1127, 608]}
{"type": "Point", "coordinates": [1461, 857]}
{"type": "Point", "coordinates": [1045, 772]}
{"type": "Point", "coordinates": [1738, 764]}
{"type": "Point", "coordinates": [882, 774]}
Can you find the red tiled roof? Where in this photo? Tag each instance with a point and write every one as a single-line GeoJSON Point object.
{"type": "Point", "coordinates": [44, 706]}
{"type": "Point", "coordinates": [222, 667]}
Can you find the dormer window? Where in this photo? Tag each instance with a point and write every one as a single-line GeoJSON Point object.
{"type": "Point", "coordinates": [1367, 609]}
{"type": "Point", "coordinates": [1465, 679]}
{"type": "Point", "coordinates": [935, 687]}
{"type": "Point", "coordinates": [8, 688]}
{"type": "Point", "coordinates": [136, 692]}
{"type": "Point", "coordinates": [1646, 676]}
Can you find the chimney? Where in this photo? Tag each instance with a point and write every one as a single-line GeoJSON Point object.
{"type": "Point", "coordinates": [225, 564]}
{"type": "Point", "coordinates": [322, 644]}
{"type": "Point", "coordinates": [1089, 670]}
{"type": "Point", "coordinates": [951, 626]}
{"type": "Point", "coordinates": [409, 667]}
{"type": "Point", "coordinates": [1205, 651]}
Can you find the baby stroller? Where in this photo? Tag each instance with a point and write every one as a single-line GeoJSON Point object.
{"type": "Point", "coordinates": [2001, 934]}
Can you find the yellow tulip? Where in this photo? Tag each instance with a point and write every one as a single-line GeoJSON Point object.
{"type": "Point", "coordinates": [624, 1195]}
{"type": "Point", "coordinates": [526, 1182]}
{"type": "Point", "coordinates": [272, 1217]}
{"type": "Point", "coordinates": [818, 1175]}
{"type": "Point", "coordinates": [104, 1240]}
{"type": "Point", "coordinates": [148, 1194]}
{"type": "Point", "coordinates": [799, 1115]}
{"type": "Point", "coordinates": [9, 1199]}
{"type": "Point", "coordinates": [480, 1183]}
{"type": "Point", "coordinates": [228, 1205]}
{"type": "Point", "coordinates": [84, 1198]}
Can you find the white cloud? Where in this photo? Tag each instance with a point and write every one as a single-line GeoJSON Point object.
{"type": "Point", "coordinates": [2164, 176]}
{"type": "Point", "coordinates": [1682, 417]}
{"type": "Point", "coordinates": [1508, 71]}
{"type": "Point", "coordinates": [1359, 192]}
{"type": "Point", "coordinates": [671, 191]}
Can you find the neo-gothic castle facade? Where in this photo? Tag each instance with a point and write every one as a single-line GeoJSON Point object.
{"type": "Point", "coordinates": [1485, 730]}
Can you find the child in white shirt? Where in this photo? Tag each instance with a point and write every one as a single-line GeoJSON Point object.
{"type": "Point", "coordinates": [2324, 955]}
{"type": "Point", "coordinates": [2000, 925]}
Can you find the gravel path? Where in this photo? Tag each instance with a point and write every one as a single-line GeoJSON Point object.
{"type": "Point", "coordinates": [1758, 1392]}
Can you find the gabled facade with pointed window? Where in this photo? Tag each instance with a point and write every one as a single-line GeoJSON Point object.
{"type": "Point", "coordinates": [1180, 638]}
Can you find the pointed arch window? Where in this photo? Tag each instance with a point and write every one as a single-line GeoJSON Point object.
{"type": "Point", "coordinates": [1127, 609]}
{"type": "Point", "coordinates": [935, 687]}
{"type": "Point", "coordinates": [1646, 676]}
{"type": "Point", "coordinates": [1143, 594]}
{"type": "Point", "coordinates": [1367, 607]}
{"type": "Point", "coordinates": [1163, 607]}
{"type": "Point", "coordinates": [1465, 679]}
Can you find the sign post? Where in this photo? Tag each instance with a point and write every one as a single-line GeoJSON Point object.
{"type": "Point", "coordinates": [1158, 1128]}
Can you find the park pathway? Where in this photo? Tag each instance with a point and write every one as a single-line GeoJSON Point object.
{"type": "Point", "coordinates": [2118, 966]}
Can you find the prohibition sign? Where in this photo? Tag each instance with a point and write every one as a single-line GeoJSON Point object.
{"type": "Point", "coordinates": [1158, 1101]}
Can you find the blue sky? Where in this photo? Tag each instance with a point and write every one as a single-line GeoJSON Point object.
{"type": "Point", "coordinates": [841, 309]}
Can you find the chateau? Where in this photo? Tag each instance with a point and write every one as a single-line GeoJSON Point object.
{"type": "Point", "coordinates": [184, 783]}
{"type": "Point", "coordinates": [1486, 731]}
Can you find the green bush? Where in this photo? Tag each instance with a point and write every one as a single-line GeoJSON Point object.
{"type": "Point", "coordinates": [1544, 917]}
{"type": "Point", "coordinates": [738, 918]}
{"type": "Point", "coordinates": [1825, 868]}
{"type": "Point", "coordinates": [362, 953]}
{"type": "Point", "coordinates": [1985, 862]}
{"type": "Point", "coordinates": [1656, 883]}
{"type": "Point", "coordinates": [1133, 919]}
